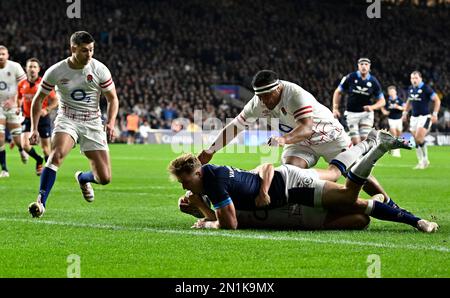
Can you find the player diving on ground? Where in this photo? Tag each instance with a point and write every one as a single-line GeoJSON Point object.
{"type": "Point", "coordinates": [296, 198]}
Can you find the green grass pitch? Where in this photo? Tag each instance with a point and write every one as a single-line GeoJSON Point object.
{"type": "Point", "coordinates": [133, 229]}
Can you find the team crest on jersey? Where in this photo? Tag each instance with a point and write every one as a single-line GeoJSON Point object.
{"type": "Point", "coordinates": [89, 78]}
{"type": "Point", "coordinates": [283, 110]}
{"type": "Point", "coordinates": [369, 84]}
{"type": "Point", "coordinates": [419, 91]}
{"type": "Point", "coordinates": [8, 74]}
{"type": "Point", "coordinates": [356, 81]}
{"type": "Point", "coordinates": [64, 81]}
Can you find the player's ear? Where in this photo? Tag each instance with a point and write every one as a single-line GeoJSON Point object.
{"type": "Point", "coordinates": [73, 48]}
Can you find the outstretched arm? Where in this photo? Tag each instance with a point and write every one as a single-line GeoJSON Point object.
{"type": "Point", "coordinates": [226, 135]}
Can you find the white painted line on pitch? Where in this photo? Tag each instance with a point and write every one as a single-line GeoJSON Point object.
{"type": "Point", "coordinates": [230, 234]}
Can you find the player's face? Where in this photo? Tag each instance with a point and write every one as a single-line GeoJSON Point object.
{"type": "Point", "coordinates": [271, 99]}
{"type": "Point", "coordinates": [392, 93]}
{"type": "Point", "coordinates": [415, 79]}
{"type": "Point", "coordinates": [83, 53]}
{"type": "Point", "coordinates": [192, 181]}
{"type": "Point", "coordinates": [32, 69]}
{"type": "Point", "coordinates": [364, 67]}
{"type": "Point", "coordinates": [4, 56]}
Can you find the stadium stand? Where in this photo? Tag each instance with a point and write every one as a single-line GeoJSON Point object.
{"type": "Point", "coordinates": [166, 55]}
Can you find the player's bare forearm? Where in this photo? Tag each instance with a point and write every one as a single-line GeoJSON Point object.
{"type": "Point", "coordinates": [336, 99]}
{"type": "Point", "coordinates": [226, 135]}
{"type": "Point", "coordinates": [266, 172]}
{"type": "Point", "coordinates": [436, 107]}
{"type": "Point", "coordinates": [406, 110]}
{"type": "Point", "coordinates": [226, 217]}
{"type": "Point", "coordinates": [36, 107]}
{"type": "Point", "coordinates": [379, 104]}
{"type": "Point", "coordinates": [196, 201]}
{"type": "Point", "coordinates": [300, 133]}
{"type": "Point", "coordinates": [113, 107]}
{"type": "Point", "coordinates": [17, 101]}
{"type": "Point", "coordinates": [437, 104]}
{"type": "Point", "coordinates": [52, 103]}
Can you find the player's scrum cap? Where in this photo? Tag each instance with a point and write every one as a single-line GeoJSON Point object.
{"type": "Point", "coordinates": [265, 81]}
{"type": "Point", "coordinates": [361, 60]}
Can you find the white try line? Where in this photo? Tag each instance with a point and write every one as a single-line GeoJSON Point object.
{"type": "Point", "coordinates": [230, 235]}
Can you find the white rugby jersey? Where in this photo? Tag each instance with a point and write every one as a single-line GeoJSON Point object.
{"type": "Point", "coordinates": [10, 76]}
{"type": "Point", "coordinates": [296, 103]}
{"type": "Point", "coordinates": [78, 89]}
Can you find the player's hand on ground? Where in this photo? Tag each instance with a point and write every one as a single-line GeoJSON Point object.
{"type": "Point", "coordinates": [200, 224]}
{"type": "Point", "coordinates": [110, 132]}
{"type": "Point", "coordinates": [205, 156]}
{"type": "Point", "coordinates": [336, 113]}
{"type": "Point", "coordinates": [34, 137]}
{"type": "Point", "coordinates": [263, 199]}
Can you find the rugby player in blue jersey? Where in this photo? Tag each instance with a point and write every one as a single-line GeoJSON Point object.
{"type": "Point", "coordinates": [361, 87]}
{"type": "Point", "coordinates": [393, 110]}
{"type": "Point", "coordinates": [419, 97]}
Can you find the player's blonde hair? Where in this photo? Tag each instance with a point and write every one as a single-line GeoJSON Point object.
{"type": "Point", "coordinates": [186, 163]}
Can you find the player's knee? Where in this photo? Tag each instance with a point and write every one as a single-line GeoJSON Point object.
{"type": "Point", "coordinates": [56, 158]}
{"type": "Point", "coordinates": [361, 222]}
{"type": "Point", "coordinates": [296, 161]}
{"type": "Point", "coordinates": [104, 179]}
{"type": "Point", "coordinates": [334, 172]}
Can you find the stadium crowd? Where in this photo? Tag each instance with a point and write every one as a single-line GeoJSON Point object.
{"type": "Point", "coordinates": [166, 55]}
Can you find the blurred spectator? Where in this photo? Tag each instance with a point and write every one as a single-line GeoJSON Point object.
{"type": "Point", "coordinates": [132, 127]}
{"type": "Point", "coordinates": [166, 55]}
{"type": "Point", "coordinates": [144, 131]}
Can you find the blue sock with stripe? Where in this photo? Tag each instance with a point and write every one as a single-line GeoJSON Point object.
{"type": "Point", "coordinates": [48, 178]}
{"type": "Point", "coordinates": [385, 212]}
{"type": "Point", "coordinates": [86, 177]}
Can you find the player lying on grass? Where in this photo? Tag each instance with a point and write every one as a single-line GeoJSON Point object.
{"type": "Point", "coordinates": [320, 204]}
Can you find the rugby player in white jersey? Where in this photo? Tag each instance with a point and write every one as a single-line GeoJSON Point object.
{"type": "Point", "coordinates": [79, 82]}
{"type": "Point", "coordinates": [310, 130]}
{"type": "Point", "coordinates": [11, 73]}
